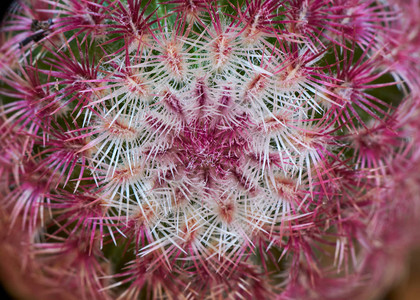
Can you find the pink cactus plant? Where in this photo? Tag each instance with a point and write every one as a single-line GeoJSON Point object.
{"type": "Point", "coordinates": [189, 149]}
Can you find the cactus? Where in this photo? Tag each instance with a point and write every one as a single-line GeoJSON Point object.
{"type": "Point", "coordinates": [188, 149]}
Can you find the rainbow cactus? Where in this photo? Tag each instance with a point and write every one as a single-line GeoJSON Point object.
{"type": "Point", "coordinates": [192, 149]}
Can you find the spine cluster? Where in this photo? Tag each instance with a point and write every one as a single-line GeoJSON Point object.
{"type": "Point", "coordinates": [194, 149]}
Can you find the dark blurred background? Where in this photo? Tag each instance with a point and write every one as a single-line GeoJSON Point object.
{"type": "Point", "coordinates": [408, 288]}
{"type": "Point", "coordinates": [4, 4]}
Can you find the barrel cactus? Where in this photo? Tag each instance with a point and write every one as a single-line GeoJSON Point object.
{"type": "Point", "coordinates": [191, 149]}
